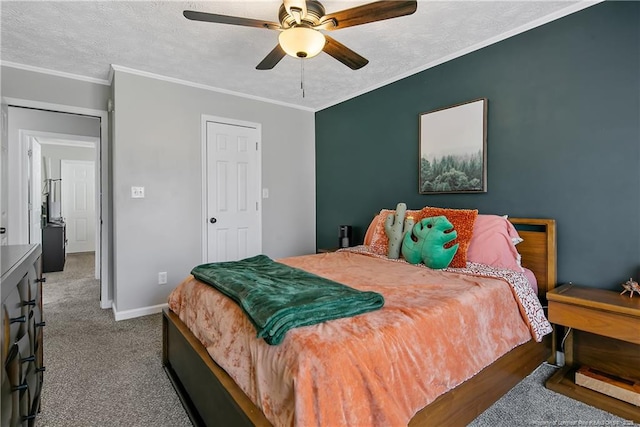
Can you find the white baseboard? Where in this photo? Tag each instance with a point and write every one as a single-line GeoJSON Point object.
{"type": "Point", "coordinates": [106, 304]}
{"type": "Point", "coordinates": [136, 312]}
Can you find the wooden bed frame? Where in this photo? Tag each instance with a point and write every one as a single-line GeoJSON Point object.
{"type": "Point", "coordinates": [212, 398]}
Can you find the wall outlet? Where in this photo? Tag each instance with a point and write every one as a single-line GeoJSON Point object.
{"type": "Point", "coordinates": [162, 278]}
{"type": "Point", "coordinates": [137, 192]}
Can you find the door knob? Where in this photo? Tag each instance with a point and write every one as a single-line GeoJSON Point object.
{"type": "Point", "coordinates": [3, 230]}
{"type": "Point", "coordinates": [213, 220]}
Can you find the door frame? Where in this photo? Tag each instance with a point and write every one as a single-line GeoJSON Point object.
{"type": "Point", "coordinates": [103, 187]}
{"type": "Point", "coordinates": [74, 141]}
{"type": "Point", "coordinates": [205, 191]}
{"type": "Point", "coordinates": [26, 145]}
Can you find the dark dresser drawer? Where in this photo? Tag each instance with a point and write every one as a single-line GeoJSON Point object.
{"type": "Point", "coordinates": [21, 375]}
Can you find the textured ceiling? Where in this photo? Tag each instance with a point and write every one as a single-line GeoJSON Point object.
{"type": "Point", "coordinates": [86, 37]}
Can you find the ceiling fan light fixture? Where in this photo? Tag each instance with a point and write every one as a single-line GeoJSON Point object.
{"type": "Point", "coordinates": [302, 42]}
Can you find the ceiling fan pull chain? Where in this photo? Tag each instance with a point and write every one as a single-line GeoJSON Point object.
{"type": "Point", "coordinates": [302, 76]}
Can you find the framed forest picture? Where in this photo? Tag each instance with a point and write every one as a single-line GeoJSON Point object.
{"type": "Point", "coordinates": [453, 149]}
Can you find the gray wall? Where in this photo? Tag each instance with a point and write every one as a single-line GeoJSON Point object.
{"type": "Point", "coordinates": [155, 114]}
{"type": "Point", "coordinates": [31, 85]}
{"type": "Point", "coordinates": [157, 144]}
{"type": "Point", "coordinates": [563, 140]}
{"type": "Point", "coordinates": [64, 152]}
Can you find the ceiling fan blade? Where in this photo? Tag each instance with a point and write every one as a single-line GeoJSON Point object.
{"type": "Point", "coordinates": [233, 20]}
{"type": "Point", "coordinates": [272, 59]}
{"type": "Point", "coordinates": [344, 54]}
{"type": "Point", "coordinates": [371, 12]}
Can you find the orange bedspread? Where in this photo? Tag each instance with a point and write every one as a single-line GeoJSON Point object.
{"type": "Point", "coordinates": [436, 330]}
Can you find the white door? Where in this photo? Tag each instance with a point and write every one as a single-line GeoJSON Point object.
{"type": "Point", "coordinates": [78, 204]}
{"type": "Point", "coordinates": [35, 191]}
{"type": "Point", "coordinates": [232, 192]}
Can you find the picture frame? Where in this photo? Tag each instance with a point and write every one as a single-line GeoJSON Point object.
{"type": "Point", "coordinates": [453, 149]}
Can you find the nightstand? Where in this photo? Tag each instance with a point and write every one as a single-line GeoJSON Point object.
{"type": "Point", "coordinates": [604, 335]}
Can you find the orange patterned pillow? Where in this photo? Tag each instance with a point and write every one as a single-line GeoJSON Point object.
{"type": "Point", "coordinates": [379, 242]}
{"type": "Point", "coordinates": [462, 220]}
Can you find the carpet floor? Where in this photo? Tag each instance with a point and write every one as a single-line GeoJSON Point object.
{"type": "Point", "coordinates": [101, 372]}
{"type": "Point", "coordinates": [106, 373]}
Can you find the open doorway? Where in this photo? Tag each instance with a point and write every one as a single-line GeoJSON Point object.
{"type": "Point", "coordinates": [71, 190]}
{"type": "Point", "coordinates": [60, 132]}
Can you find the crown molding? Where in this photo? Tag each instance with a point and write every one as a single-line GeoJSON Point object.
{"type": "Point", "coordinates": [576, 7]}
{"type": "Point", "coordinates": [147, 74]}
{"type": "Point", "coordinates": [54, 73]}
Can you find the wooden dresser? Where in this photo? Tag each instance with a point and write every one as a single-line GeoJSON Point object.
{"type": "Point", "coordinates": [21, 334]}
{"type": "Point", "coordinates": [604, 335]}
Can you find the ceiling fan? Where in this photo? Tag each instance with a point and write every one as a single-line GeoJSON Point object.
{"type": "Point", "coordinates": [300, 22]}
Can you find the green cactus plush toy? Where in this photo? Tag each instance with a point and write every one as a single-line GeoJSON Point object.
{"type": "Point", "coordinates": [426, 243]}
{"type": "Point", "coordinates": [395, 227]}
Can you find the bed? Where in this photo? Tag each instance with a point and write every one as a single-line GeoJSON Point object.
{"type": "Point", "coordinates": [211, 397]}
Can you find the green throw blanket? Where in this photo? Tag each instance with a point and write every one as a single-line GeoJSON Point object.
{"type": "Point", "coordinates": [277, 297]}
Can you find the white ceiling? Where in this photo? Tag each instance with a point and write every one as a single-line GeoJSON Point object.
{"type": "Point", "coordinates": [85, 37]}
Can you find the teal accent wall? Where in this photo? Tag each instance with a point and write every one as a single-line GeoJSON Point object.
{"type": "Point", "coordinates": [563, 140]}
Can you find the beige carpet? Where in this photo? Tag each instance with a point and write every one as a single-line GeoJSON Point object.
{"type": "Point", "coordinates": [101, 372]}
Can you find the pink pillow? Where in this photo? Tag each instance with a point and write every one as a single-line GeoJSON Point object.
{"type": "Point", "coordinates": [494, 243]}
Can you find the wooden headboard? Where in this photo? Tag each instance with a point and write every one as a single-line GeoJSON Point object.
{"type": "Point", "coordinates": [538, 250]}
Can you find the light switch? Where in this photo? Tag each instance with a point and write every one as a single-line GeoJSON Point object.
{"type": "Point", "coordinates": [265, 193]}
{"type": "Point", "coordinates": [137, 192]}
